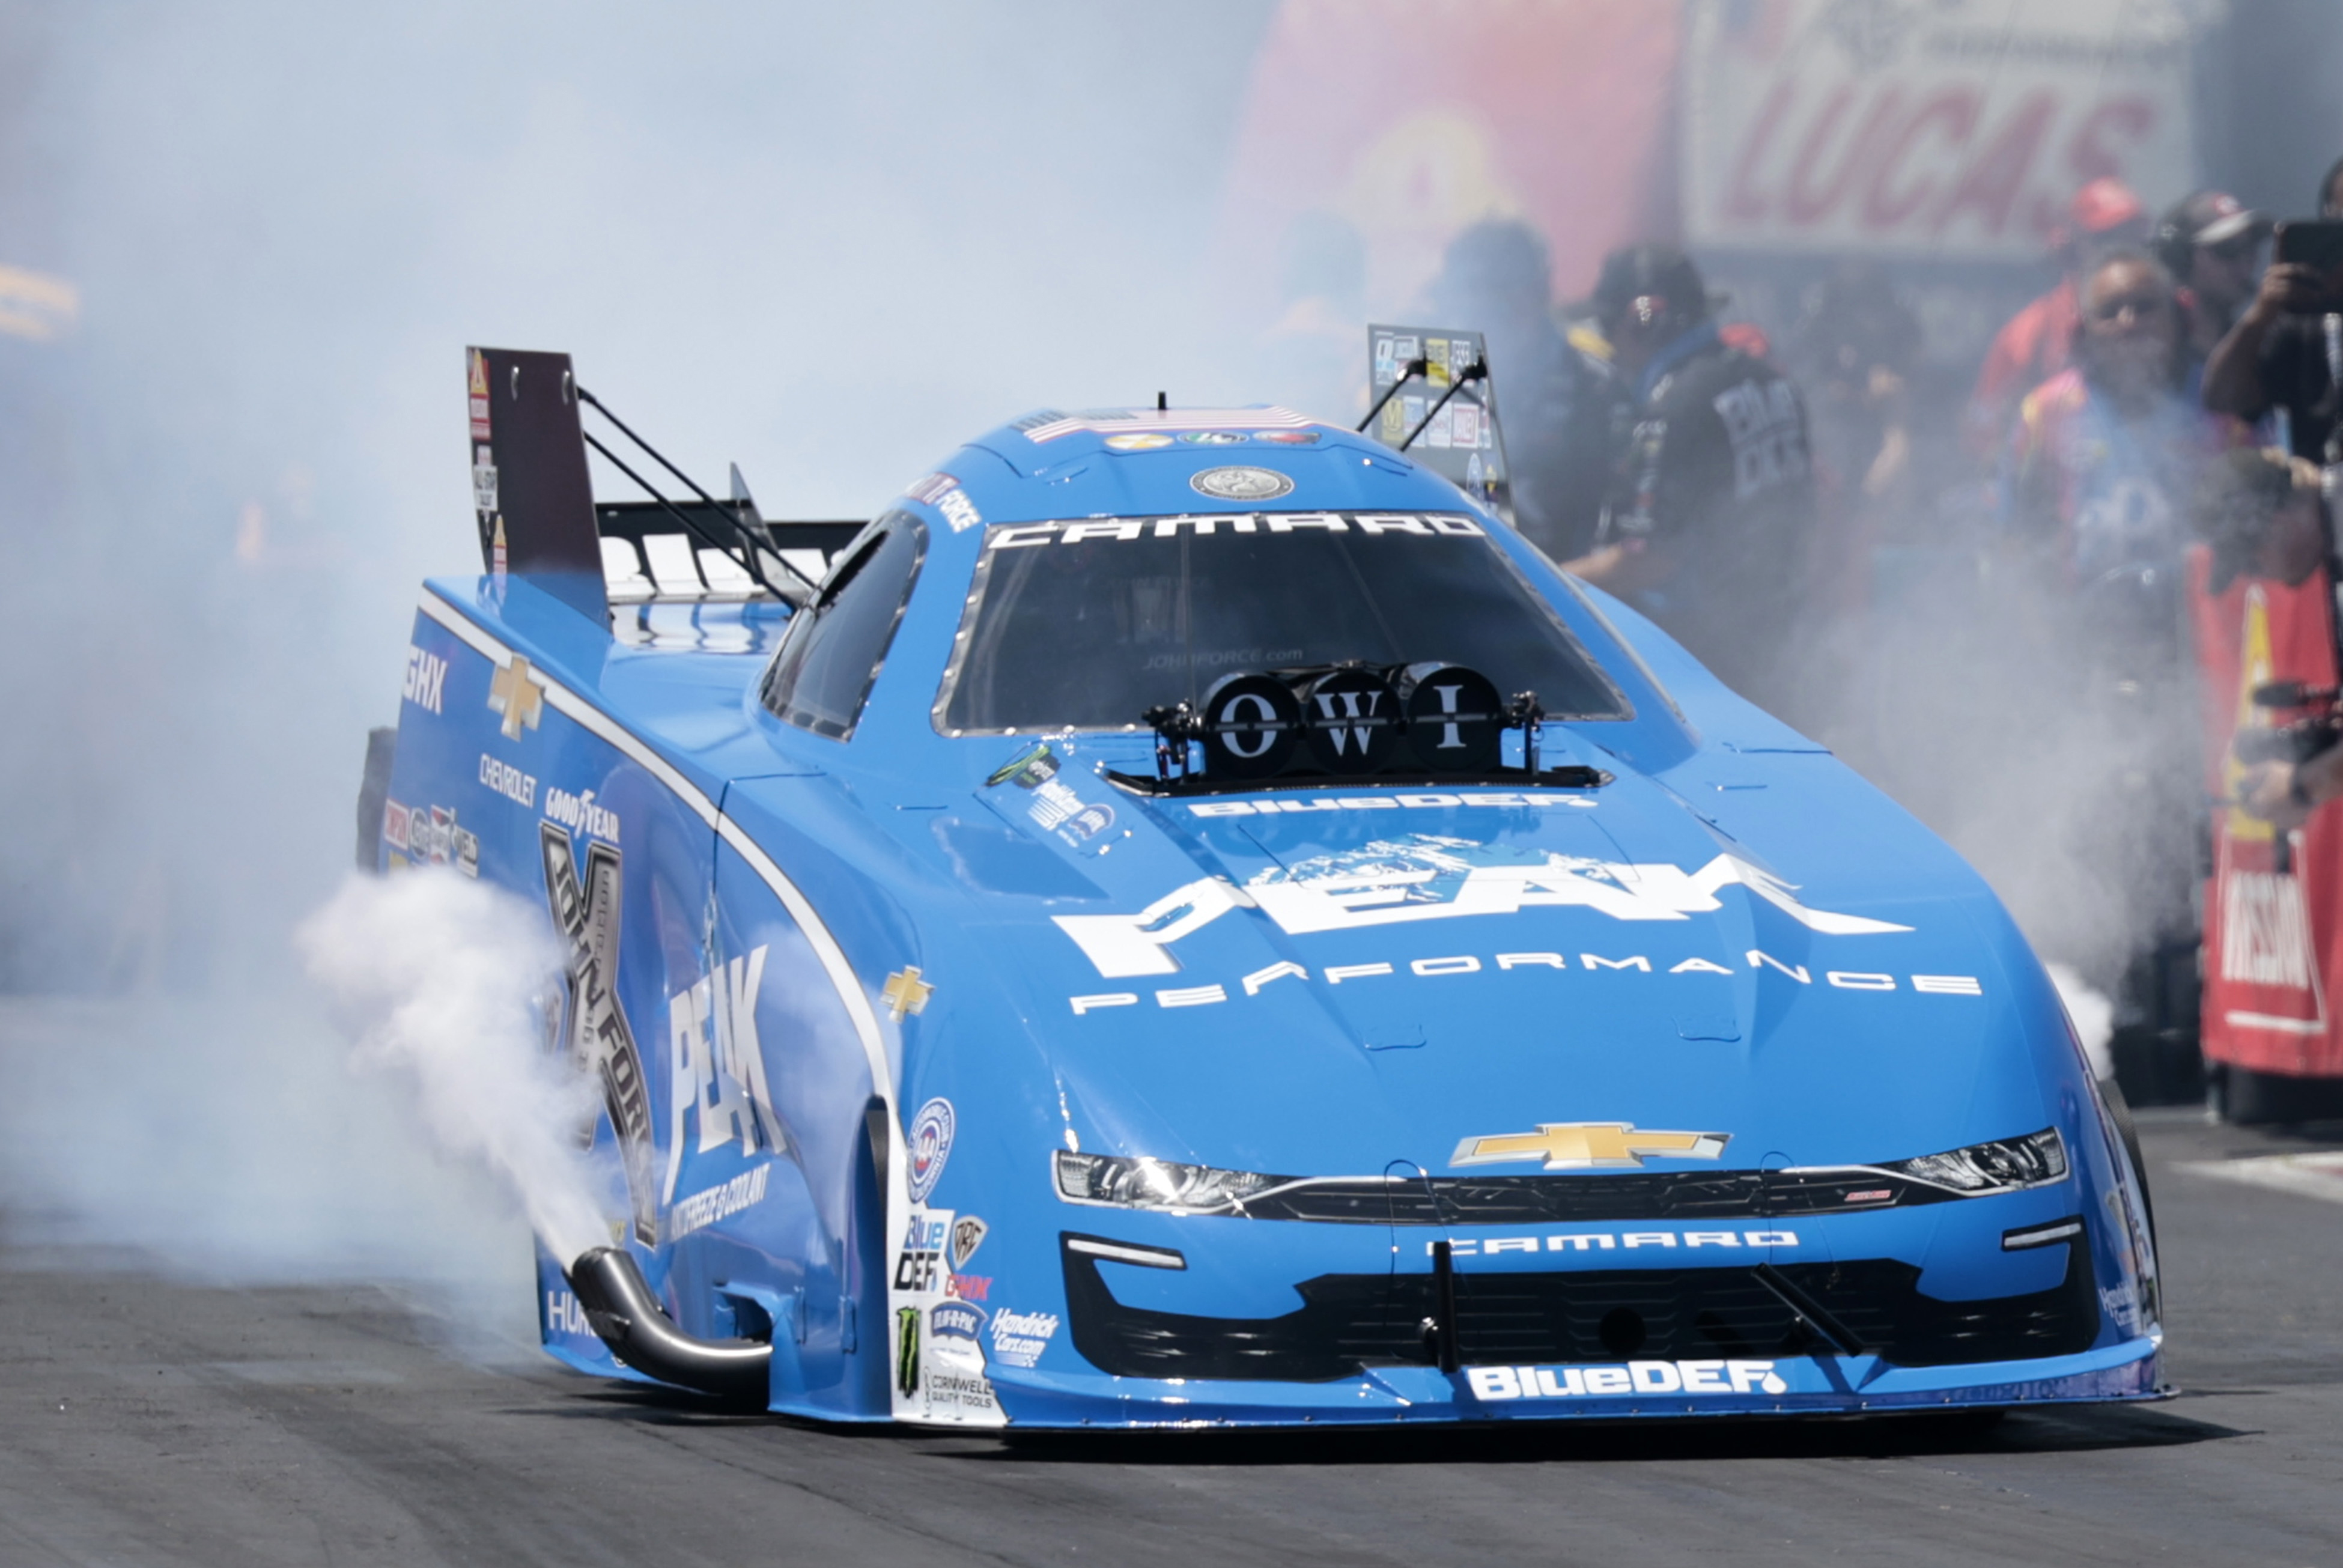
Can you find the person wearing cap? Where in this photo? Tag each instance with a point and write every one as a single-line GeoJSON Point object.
{"type": "Point", "coordinates": [1559, 404]}
{"type": "Point", "coordinates": [2208, 242]}
{"type": "Point", "coordinates": [2284, 352]}
{"type": "Point", "coordinates": [1712, 502]}
{"type": "Point", "coordinates": [2034, 344]}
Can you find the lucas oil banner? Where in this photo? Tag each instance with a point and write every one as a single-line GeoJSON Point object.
{"type": "Point", "coordinates": [2274, 909]}
{"type": "Point", "coordinates": [1950, 129]}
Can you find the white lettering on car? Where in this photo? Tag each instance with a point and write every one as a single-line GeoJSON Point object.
{"type": "Point", "coordinates": [1424, 878]}
{"type": "Point", "coordinates": [508, 780]}
{"type": "Point", "coordinates": [717, 1066]}
{"type": "Point", "coordinates": [1698, 1377]}
{"type": "Point", "coordinates": [1606, 1242]}
{"type": "Point", "coordinates": [426, 678]}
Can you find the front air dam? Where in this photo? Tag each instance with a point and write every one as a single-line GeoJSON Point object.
{"type": "Point", "coordinates": [619, 1305]}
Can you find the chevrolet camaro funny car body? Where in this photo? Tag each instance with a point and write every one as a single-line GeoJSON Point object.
{"type": "Point", "coordinates": [1194, 921]}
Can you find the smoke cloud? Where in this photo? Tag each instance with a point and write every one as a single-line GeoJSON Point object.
{"type": "Point", "coordinates": [829, 244]}
{"type": "Point", "coordinates": [444, 983]}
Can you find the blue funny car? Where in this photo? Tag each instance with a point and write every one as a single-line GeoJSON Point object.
{"type": "Point", "coordinates": [1187, 919]}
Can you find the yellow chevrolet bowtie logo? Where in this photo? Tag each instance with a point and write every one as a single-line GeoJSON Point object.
{"type": "Point", "coordinates": [1586, 1145]}
{"type": "Point", "coordinates": [906, 992]}
{"type": "Point", "coordinates": [513, 693]}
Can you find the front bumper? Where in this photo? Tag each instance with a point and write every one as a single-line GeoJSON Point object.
{"type": "Point", "coordinates": [1697, 1331]}
{"type": "Point", "coordinates": [1811, 1385]}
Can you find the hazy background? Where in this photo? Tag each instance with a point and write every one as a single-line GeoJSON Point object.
{"type": "Point", "coordinates": [825, 242]}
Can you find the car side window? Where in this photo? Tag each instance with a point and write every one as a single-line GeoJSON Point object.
{"type": "Point", "coordinates": [834, 647]}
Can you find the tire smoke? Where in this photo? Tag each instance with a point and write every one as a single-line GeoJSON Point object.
{"type": "Point", "coordinates": [440, 982]}
{"type": "Point", "coordinates": [2092, 1013]}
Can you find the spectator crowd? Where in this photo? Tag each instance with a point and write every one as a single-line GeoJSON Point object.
{"type": "Point", "coordinates": [2175, 390]}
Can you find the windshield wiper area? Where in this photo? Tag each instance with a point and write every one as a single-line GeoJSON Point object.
{"type": "Point", "coordinates": [1347, 724]}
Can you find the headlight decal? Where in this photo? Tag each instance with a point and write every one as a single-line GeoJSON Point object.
{"type": "Point", "coordinates": [1169, 1187]}
{"type": "Point", "coordinates": [1119, 1182]}
{"type": "Point", "coordinates": [2003, 1165]}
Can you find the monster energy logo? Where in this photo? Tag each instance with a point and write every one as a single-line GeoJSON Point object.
{"type": "Point", "coordinates": [907, 1350]}
{"type": "Point", "coordinates": [599, 1039]}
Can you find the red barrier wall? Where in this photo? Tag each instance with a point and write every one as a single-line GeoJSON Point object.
{"type": "Point", "coordinates": [2273, 912]}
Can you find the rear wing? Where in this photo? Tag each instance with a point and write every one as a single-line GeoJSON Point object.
{"type": "Point", "coordinates": [533, 502]}
{"type": "Point", "coordinates": [650, 558]}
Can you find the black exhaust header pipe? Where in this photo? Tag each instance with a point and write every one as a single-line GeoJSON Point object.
{"type": "Point", "coordinates": [622, 1310]}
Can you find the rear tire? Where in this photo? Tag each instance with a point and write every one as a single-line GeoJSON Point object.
{"type": "Point", "coordinates": [871, 1364]}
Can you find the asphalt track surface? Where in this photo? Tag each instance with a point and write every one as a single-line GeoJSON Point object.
{"type": "Point", "coordinates": [146, 1422]}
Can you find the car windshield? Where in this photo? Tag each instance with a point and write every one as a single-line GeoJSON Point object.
{"type": "Point", "coordinates": [1088, 623]}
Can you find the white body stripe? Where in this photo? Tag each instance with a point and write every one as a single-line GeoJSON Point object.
{"type": "Point", "coordinates": [825, 946]}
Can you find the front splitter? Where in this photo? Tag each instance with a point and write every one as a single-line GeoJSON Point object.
{"type": "Point", "coordinates": [1787, 1386]}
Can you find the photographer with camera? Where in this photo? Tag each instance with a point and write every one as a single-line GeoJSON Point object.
{"type": "Point", "coordinates": [2285, 353]}
{"type": "Point", "coordinates": [2262, 513]}
{"type": "Point", "coordinates": [2209, 243]}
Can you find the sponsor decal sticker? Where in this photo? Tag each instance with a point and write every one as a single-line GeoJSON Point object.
{"type": "Point", "coordinates": [960, 511]}
{"type": "Point", "coordinates": [1288, 438]}
{"type": "Point", "coordinates": [1424, 876]}
{"type": "Point", "coordinates": [477, 379]}
{"type": "Point", "coordinates": [1446, 965]}
{"type": "Point", "coordinates": [931, 1146]}
{"type": "Point", "coordinates": [968, 1287]}
{"type": "Point", "coordinates": [1242, 484]}
{"type": "Point", "coordinates": [1054, 805]}
{"type": "Point", "coordinates": [1696, 1377]}
{"type": "Point", "coordinates": [579, 814]}
{"type": "Point", "coordinates": [906, 994]}
{"type": "Point", "coordinates": [565, 1315]}
{"type": "Point", "coordinates": [1615, 1241]}
{"type": "Point", "coordinates": [429, 835]}
{"type": "Point", "coordinates": [1534, 799]}
{"type": "Point", "coordinates": [508, 780]}
{"type": "Point", "coordinates": [483, 482]}
{"type": "Point", "coordinates": [967, 1236]}
{"type": "Point", "coordinates": [586, 915]}
{"type": "Point", "coordinates": [701, 1209]}
{"type": "Point", "coordinates": [426, 678]}
{"type": "Point", "coordinates": [955, 1321]}
{"type": "Point", "coordinates": [953, 1378]}
{"type": "Point", "coordinates": [1112, 422]}
{"type": "Point", "coordinates": [716, 1068]}
{"type": "Point", "coordinates": [907, 1350]}
{"type": "Point", "coordinates": [943, 492]}
{"type": "Point", "coordinates": [1139, 441]}
{"type": "Point", "coordinates": [1589, 1146]}
{"type": "Point", "coordinates": [918, 1263]}
{"type": "Point", "coordinates": [1214, 439]}
{"type": "Point", "coordinates": [961, 1395]}
{"type": "Point", "coordinates": [515, 694]}
{"type": "Point", "coordinates": [1020, 1338]}
{"type": "Point", "coordinates": [1209, 524]}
